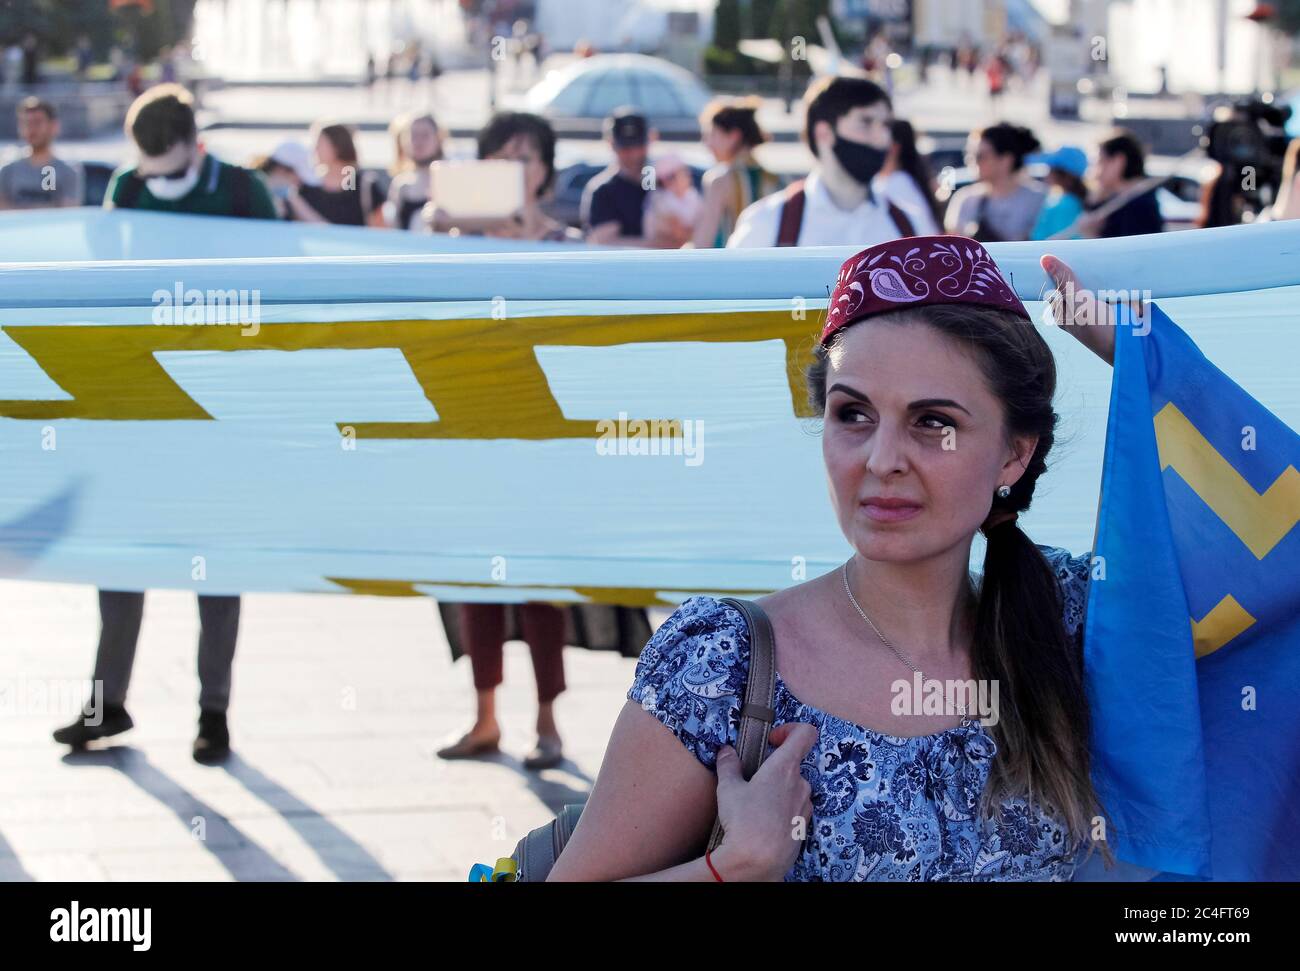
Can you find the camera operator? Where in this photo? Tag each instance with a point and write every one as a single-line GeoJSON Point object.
{"type": "Point", "coordinates": [1247, 142]}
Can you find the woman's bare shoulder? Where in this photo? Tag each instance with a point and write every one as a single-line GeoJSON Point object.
{"type": "Point", "coordinates": [793, 604]}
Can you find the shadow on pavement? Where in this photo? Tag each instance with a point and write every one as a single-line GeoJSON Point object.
{"type": "Point", "coordinates": [242, 858]}
{"type": "Point", "coordinates": [345, 857]}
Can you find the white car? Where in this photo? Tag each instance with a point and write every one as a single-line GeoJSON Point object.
{"type": "Point", "coordinates": [583, 93]}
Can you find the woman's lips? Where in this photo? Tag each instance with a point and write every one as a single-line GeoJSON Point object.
{"type": "Point", "coordinates": [892, 511]}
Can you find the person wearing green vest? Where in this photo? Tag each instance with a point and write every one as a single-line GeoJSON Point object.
{"type": "Point", "coordinates": [173, 175]}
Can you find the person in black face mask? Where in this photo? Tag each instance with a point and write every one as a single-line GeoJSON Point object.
{"type": "Point", "coordinates": [848, 129]}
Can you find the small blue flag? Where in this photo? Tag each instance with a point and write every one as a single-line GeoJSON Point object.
{"type": "Point", "coordinates": [1192, 642]}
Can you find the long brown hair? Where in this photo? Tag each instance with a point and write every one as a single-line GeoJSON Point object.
{"type": "Point", "coordinates": [340, 139]}
{"type": "Point", "coordinates": [1020, 637]}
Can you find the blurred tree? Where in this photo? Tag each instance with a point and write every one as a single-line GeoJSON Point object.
{"type": "Point", "coordinates": [726, 25]}
{"type": "Point", "coordinates": [58, 23]}
{"type": "Point", "coordinates": [1288, 16]}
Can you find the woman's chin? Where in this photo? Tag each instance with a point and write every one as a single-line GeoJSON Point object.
{"type": "Point", "coordinates": [886, 545]}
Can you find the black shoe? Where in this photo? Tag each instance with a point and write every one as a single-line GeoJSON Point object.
{"type": "Point", "coordinates": [213, 742]}
{"type": "Point", "coordinates": [115, 721]}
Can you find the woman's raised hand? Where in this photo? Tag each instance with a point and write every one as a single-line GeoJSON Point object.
{"type": "Point", "coordinates": [762, 836]}
{"type": "Point", "coordinates": [1079, 311]}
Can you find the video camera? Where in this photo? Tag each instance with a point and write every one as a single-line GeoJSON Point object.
{"type": "Point", "coordinates": [1247, 139]}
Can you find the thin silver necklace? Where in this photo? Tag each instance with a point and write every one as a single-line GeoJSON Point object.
{"type": "Point", "coordinates": [961, 709]}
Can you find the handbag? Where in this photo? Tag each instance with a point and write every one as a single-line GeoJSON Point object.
{"type": "Point", "coordinates": [537, 852]}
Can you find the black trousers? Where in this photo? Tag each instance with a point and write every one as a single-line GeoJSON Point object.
{"type": "Point", "coordinates": [120, 613]}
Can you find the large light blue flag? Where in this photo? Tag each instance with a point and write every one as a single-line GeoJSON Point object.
{"type": "Point", "coordinates": [1193, 629]}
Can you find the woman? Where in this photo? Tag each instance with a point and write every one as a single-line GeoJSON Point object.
{"type": "Point", "coordinates": [1003, 204]}
{"type": "Point", "coordinates": [345, 196]}
{"type": "Point", "coordinates": [1067, 193]}
{"type": "Point", "coordinates": [287, 169]}
{"type": "Point", "coordinates": [731, 133]}
{"type": "Point", "coordinates": [482, 626]}
{"type": "Point", "coordinates": [525, 138]}
{"type": "Point", "coordinates": [420, 145]}
{"type": "Point", "coordinates": [936, 391]}
{"type": "Point", "coordinates": [906, 179]}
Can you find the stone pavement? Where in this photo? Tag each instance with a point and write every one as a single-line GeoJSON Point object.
{"type": "Point", "coordinates": [338, 705]}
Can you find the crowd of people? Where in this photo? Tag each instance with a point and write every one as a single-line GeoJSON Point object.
{"type": "Point", "coordinates": [868, 185]}
{"type": "Point", "coordinates": [868, 180]}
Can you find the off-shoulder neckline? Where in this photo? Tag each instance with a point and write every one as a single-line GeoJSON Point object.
{"type": "Point", "coordinates": [966, 727]}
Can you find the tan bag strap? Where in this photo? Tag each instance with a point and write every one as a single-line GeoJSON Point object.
{"type": "Point", "coordinates": [758, 711]}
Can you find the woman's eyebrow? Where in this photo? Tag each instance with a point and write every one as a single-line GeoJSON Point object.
{"type": "Point", "coordinates": [922, 403]}
{"type": "Point", "coordinates": [936, 403]}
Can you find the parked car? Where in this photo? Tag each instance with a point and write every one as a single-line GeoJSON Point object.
{"type": "Point", "coordinates": [583, 93]}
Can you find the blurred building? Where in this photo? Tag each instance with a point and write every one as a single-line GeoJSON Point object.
{"type": "Point", "coordinates": [680, 27]}
{"type": "Point", "coordinates": [305, 39]}
{"type": "Point", "coordinates": [1202, 46]}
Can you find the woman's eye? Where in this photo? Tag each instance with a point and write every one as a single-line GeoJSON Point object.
{"type": "Point", "coordinates": [852, 415]}
{"type": "Point", "coordinates": [935, 421]}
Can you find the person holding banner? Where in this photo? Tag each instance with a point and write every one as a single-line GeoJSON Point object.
{"type": "Point", "coordinates": [1003, 204]}
{"type": "Point", "coordinates": [1119, 175]}
{"type": "Point", "coordinates": [848, 127]}
{"type": "Point", "coordinates": [937, 396]}
{"type": "Point", "coordinates": [731, 132]}
{"type": "Point", "coordinates": [420, 142]}
{"type": "Point", "coordinates": [173, 175]}
{"type": "Point", "coordinates": [526, 138]}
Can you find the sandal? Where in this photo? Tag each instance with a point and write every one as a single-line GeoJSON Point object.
{"type": "Point", "coordinates": [546, 755]}
{"type": "Point", "coordinates": [468, 747]}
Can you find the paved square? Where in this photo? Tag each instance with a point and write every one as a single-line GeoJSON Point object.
{"type": "Point", "coordinates": [338, 705]}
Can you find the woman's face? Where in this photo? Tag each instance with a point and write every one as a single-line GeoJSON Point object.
{"type": "Point", "coordinates": [325, 151]}
{"type": "Point", "coordinates": [909, 416]}
{"type": "Point", "coordinates": [989, 164]}
{"type": "Point", "coordinates": [522, 148]}
{"type": "Point", "coordinates": [722, 143]}
{"type": "Point", "coordinates": [423, 142]}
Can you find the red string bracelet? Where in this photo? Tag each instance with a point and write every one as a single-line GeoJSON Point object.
{"type": "Point", "coordinates": [716, 875]}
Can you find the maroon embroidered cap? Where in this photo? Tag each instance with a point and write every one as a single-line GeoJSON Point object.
{"type": "Point", "coordinates": [915, 271]}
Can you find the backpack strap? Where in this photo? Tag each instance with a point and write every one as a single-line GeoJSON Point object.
{"type": "Point", "coordinates": [132, 185]}
{"type": "Point", "coordinates": [757, 713]}
{"type": "Point", "coordinates": [241, 191]}
{"type": "Point", "coordinates": [787, 233]}
{"type": "Point", "coordinates": [905, 228]}
{"type": "Point", "coordinates": [367, 188]}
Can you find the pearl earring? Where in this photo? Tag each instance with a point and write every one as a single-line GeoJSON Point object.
{"type": "Point", "coordinates": [1004, 491]}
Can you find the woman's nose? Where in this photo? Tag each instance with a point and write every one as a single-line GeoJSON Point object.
{"type": "Point", "coordinates": [886, 450]}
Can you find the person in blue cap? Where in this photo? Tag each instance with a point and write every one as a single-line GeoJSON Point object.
{"type": "Point", "coordinates": [1068, 193]}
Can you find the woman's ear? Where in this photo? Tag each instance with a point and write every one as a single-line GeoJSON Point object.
{"type": "Point", "coordinates": [1022, 450]}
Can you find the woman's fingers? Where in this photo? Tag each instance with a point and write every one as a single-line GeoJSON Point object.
{"type": "Point", "coordinates": [789, 747]}
{"type": "Point", "coordinates": [1058, 270]}
{"type": "Point", "coordinates": [1078, 310]}
{"type": "Point", "coordinates": [728, 766]}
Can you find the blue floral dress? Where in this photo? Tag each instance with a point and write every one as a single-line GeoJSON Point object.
{"type": "Point", "coordinates": [884, 807]}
